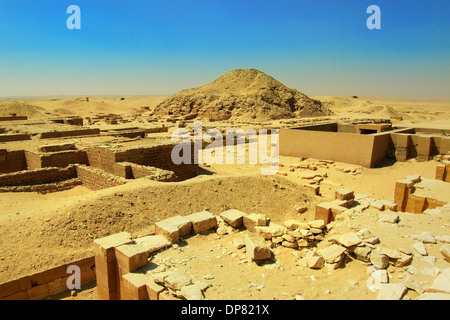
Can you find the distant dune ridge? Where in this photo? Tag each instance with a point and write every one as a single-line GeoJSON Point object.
{"type": "Point", "coordinates": [242, 94]}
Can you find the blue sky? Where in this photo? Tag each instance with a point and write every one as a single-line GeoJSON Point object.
{"type": "Point", "coordinates": [319, 47]}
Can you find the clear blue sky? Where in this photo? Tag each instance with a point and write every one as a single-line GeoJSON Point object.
{"type": "Point", "coordinates": [320, 47]}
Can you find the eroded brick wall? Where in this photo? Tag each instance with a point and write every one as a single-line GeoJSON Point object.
{"type": "Point", "coordinates": [69, 133]}
{"type": "Point", "coordinates": [38, 176]}
{"type": "Point", "coordinates": [97, 179]}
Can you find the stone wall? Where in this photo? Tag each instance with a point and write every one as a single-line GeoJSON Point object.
{"type": "Point", "coordinates": [69, 133]}
{"type": "Point", "coordinates": [7, 137]}
{"type": "Point", "coordinates": [46, 283]}
{"type": "Point", "coordinates": [97, 179]}
{"type": "Point", "coordinates": [130, 170]}
{"type": "Point", "coordinates": [55, 159]}
{"type": "Point", "coordinates": [38, 176]}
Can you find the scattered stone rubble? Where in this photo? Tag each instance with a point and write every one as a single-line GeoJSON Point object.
{"type": "Point", "coordinates": [318, 246]}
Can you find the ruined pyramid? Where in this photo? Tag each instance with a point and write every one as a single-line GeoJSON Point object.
{"type": "Point", "coordinates": [242, 94]}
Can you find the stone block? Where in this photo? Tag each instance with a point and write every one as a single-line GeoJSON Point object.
{"type": "Point", "coordinates": [233, 218]}
{"type": "Point", "coordinates": [254, 220]}
{"type": "Point", "coordinates": [202, 221]}
{"type": "Point", "coordinates": [344, 194]}
{"type": "Point", "coordinates": [183, 224]}
{"type": "Point", "coordinates": [256, 247]}
{"type": "Point", "coordinates": [134, 287]}
{"type": "Point", "coordinates": [168, 230]}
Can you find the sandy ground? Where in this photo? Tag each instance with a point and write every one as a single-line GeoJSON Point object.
{"type": "Point", "coordinates": [42, 231]}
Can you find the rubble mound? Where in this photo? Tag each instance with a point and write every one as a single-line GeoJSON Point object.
{"type": "Point", "coordinates": [242, 94]}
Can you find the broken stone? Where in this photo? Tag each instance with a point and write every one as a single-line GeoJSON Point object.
{"type": "Point", "coordinates": [233, 218]}
{"type": "Point", "coordinates": [332, 254]}
{"type": "Point", "coordinates": [403, 261]}
{"type": "Point", "coordinates": [412, 284]}
{"type": "Point", "coordinates": [425, 237]}
{"type": "Point", "coordinates": [175, 281]}
{"type": "Point", "coordinates": [389, 218]}
{"type": "Point", "coordinates": [441, 283]}
{"type": "Point", "coordinates": [288, 244]}
{"type": "Point", "coordinates": [270, 231]}
{"type": "Point", "coordinates": [362, 253]}
{"type": "Point", "coordinates": [391, 291]}
{"type": "Point", "coordinates": [364, 234]}
{"type": "Point", "coordinates": [253, 220]}
{"type": "Point", "coordinates": [239, 243]}
{"type": "Point", "coordinates": [202, 221]}
{"type": "Point", "coordinates": [445, 251]}
{"type": "Point", "coordinates": [349, 239]}
{"type": "Point", "coordinates": [294, 224]}
{"type": "Point", "coordinates": [191, 292]}
{"type": "Point", "coordinates": [314, 260]}
{"type": "Point", "coordinates": [379, 205]}
{"type": "Point", "coordinates": [420, 248]}
{"type": "Point", "coordinates": [256, 247]}
{"type": "Point", "coordinates": [379, 260]}
{"type": "Point", "coordinates": [318, 224]}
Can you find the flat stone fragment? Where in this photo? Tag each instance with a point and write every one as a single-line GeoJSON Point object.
{"type": "Point", "coordinates": [391, 291]}
{"type": "Point", "coordinates": [270, 231]}
{"type": "Point", "coordinates": [445, 251]}
{"type": "Point", "coordinates": [425, 237]}
{"type": "Point", "coordinates": [379, 260]}
{"type": "Point", "coordinates": [256, 247]}
{"type": "Point", "coordinates": [318, 224]}
{"type": "Point", "coordinates": [182, 223]}
{"type": "Point", "coordinates": [433, 296]}
{"type": "Point", "coordinates": [332, 254]}
{"type": "Point", "coordinates": [202, 221]}
{"type": "Point", "coordinates": [349, 239]}
{"type": "Point", "coordinates": [254, 220]}
{"type": "Point", "coordinates": [441, 283]}
{"type": "Point", "coordinates": [233, 218]}
{"type": "Point", "coordinates": [420, 248]}
{"type": "Point", "coordinates": [176, 281]}
{"type": "Point", "coordinates": [389, 218]}
{"type": "Point", "coordinates": [192, 292]}
{"type": "Point", "coordinates": [168, 230]}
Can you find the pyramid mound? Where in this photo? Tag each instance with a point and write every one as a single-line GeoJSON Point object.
{"type": "Point", "coordinates": [242, 94]}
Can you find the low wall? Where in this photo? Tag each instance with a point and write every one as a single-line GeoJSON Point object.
{"type": "Point", "coordinates": [130, 170]}
{"type": "Point", "coordinates": [37, 176]}
{"type": "Point", "coordinates": [342, 147]}
{"type": "Point", "coordinates": [13, 118]}
{"type": "Point", "coordinates": [97, 179]}
{"type": "Point", "coordinates": [55, 159]}
{"type": "Point", "coordinates": [7, 137]}
{"type": "Point", "coordinates": [45, 188]}
{"type": "Point", "coordinates": [46, 283]}
{"type": "Point", "coordinates": [159, 157]}
{"type": "Point", "coordinates": [69, 133]}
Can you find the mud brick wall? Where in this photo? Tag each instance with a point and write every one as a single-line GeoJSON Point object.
{"type": "Point", "coordinates": [13, 118]}
{"type": "Point", "coordinates": [101, 158]}
{"type": "Point", "coordinates": [159, 157]}
{"type": "Point", "coordinates": [156, 130]}
{"type": "Point", "coordinates": [56, 159]}
{"type": "Point", "coordinates": [38, 176]}
{"type": "Point", "coordinates": [12, 161]}
{"type": "Point", "coordinates": [47, 283]}
{"type": "Point", "coordinates": [97, 179]}
{"type": "Point", "coordinates": [63, 159]}
{"type": "Point", "coordinates": [69, 133]}
{"type": "Point", "coordinates": [14, 137]}
{"type": "Point", "coordinates": [45, 188]}
{"type": "Point", "coordinates": [129, 134]}
{"type": "Point", "coordinates": [130, 170]}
